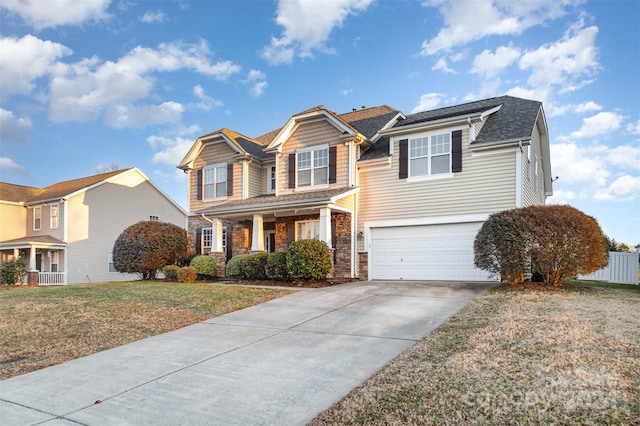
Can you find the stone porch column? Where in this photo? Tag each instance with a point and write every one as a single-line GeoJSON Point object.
{"type": "Point", "coordinates": [257, 238]}
{"type": "Point", "coordinates": [325, 226]}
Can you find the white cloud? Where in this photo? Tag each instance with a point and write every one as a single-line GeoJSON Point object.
{"type": "Point", "coordinates": [7, 165]}
{"type": "Point", "coordinates": [172, 147]}
{"type": "Point", "coordinates": [467, 21]}
{"type": "Point", "coordinates": [600, 124]}
{"type": "Point", "coordinates": [428, 101]}
{"type": "Point", "coordinates": [307, 26]}
{"type": "Point", "coordinates": [91, 88]}
{"type": "Point", "coordinates": [564, 62]}
{"type": "Point", "coordinates": [152, 17]}
{"type": "Point", "coordinates": [441, 65]}
{"type": "Point", "coordinates": [587, 107]}
{"type": "Point", "coordinates": [257, 80]}
{"type": "Point", "coordinates": [206, 102]}
{"type": "Point", "coordinates": [625, 156]}
{"type": "Point", "coordinates": [26, 59]}
{"type": "Point", "coordinates": [624, 188]}
{"type": "Point", "coordinates": [634, 128]}
{"type": "Point", "coordinates": [490, 64]}
{"type": "Point", "coordinates": [562, 197]}
{"type": "Point", "coordinates": [259, 88]}
{"type": "Point", "coordinates": [580, 164]}
{"type": "Point", "coordinates": [52, 13]}
{"type": "Point", "coordinates": [14, 129]}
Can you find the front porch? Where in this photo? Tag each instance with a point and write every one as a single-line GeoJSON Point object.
{"type": "Point", "coordinates": [272, 223]}
{"type": "Point", "coordinates": [45, 257]}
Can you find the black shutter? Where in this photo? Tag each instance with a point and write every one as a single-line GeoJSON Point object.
{"type": "Point", "coordinates": [199, 241]}
{"type": "Point", "coordinates": [333, 155]}
{"type": "Point", "coordinates": [404, 159]}
{"type": "Point", "coordinates": [292, 170]}
{"type": "Point", "coordinates": [230, 179]}
{"type": "Point", "coordinates": [456, 151]}
{"type": "Point", "coordinates": [291, 232]}
{"type": "Point", "coordinates": [199, 184]}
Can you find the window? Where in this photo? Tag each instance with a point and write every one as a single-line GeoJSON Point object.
{"type": "Point", "coordinates": [313, 166]}
{"type": "Point", "coordinates": [430, 155]}
{"type": "Point", "coordinates": [110, 266]}
{"type": "Point", "coordinates": [215, 181]}
{"type": "Point", "coordinates": [271, 180]}
{"type": "Point", "coordinates": [54, 261]}
{"type": "Point", "coordinates": [37, 218]}
{"type": "Point", "coordinates": [308, 230]}
{"type": "Point", "coordinates": [55, 220]}
{"type": "Point", "coordinates": [535, 171]}
{"type": "Point", "coordinates": [207, 235]}
{"type": "Point", "coordinates": [154, 218]}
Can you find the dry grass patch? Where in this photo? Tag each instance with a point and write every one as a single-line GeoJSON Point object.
{"type": "Point", "coordinates": [526, 356]}
{"type": "Point", "coordinates": [41, 327]}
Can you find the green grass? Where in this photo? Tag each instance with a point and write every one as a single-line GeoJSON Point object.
{"type": "Point", "coordinates": [527, 356]}
{"type": "Point", "coordinates": [49, 325]}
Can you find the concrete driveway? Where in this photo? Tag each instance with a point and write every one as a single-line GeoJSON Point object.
{"type": "Point", "coordinates": [278, 363]}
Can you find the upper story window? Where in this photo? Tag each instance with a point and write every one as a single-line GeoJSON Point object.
{"type": "Point", "coordinates": [312, 166]}
{"type": "Point", "coordinates": [55, 216]}
{"type": "Point", "coordinates": [37, 218]}
{"type": "Point", "coordinates": [430, 155]}
{"type": "Point", "coordinates": [215, 181]}
{"type": "Point", "coordinates": [271, 180]}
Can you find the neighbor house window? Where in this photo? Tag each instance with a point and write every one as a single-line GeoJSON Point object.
{"type": "Point", "coordinates": [535, 172]}
{"type": "Point", "coordinates": [55, 216]}
{"type": "Point", "coordinates": [430, 155]}
{"type": "Point", "coordinates": [37, 218]}
{"type": "Point", "coordinates": [207, 235]}
{"type": "Point", "coordinates": [308, 230]}
{"type": "Point", "coordinates": [153, 218]}
{"type": "Point", "coordinates": [110, 266]}
{"type": "Point", "coordinates": [215, 181]}
{"type": "Point", "coordinates": [313, 166]}
{"type": "Point", "coordinates": [271, 180]}
{"type": "Point", "coordinates": [54, 261]}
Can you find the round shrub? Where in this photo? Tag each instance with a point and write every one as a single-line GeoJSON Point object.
{"type": "Point", "coordinates": [206, 267]}
{"type": "Point", "coordinates": [255, 266]}
{"type": "Point", "coordinates": [170, 272]}
{"type": "Point", "coordinates": [236, 266]}
{"type": "Point", "coordinates": [13, 272]}
{"type": "Point", "coordinates": [277, 265]}
{"type": "Point", "coordinates": [187, 274]}
{"type": "Point", "coordinates": [309, 260]}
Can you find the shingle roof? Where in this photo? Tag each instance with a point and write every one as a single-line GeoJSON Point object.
{"type": "Point", "coordinates": [28, 194]}
{"type": "Point", "coordinates": [515, 119]}
{"type": "Point", "coordinates": [45, 239]}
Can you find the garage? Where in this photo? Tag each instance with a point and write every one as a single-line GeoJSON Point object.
{"type": "Point", "coordinates": [425, 252]}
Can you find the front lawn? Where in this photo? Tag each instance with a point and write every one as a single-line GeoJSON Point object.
{"type": "Point", "coordinates": [40, 327]}
{"type": "Point", "coordinates": [514, 356]}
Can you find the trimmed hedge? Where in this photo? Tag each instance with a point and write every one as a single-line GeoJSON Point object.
{"type": "Point", "coordinates": [277, 265]}
{"type": "Point", "coordinates": [255, 267]}
{"type": "Point", "coordinates": [187, 274]}
{"type": "Point", "coordinates": [171, 272]}
{"type": "Point", "coordinates": [308, 260]}
{"type": "Point", "coordinates": [206, 267]}
{"type": "Point", "coordinates": [236, 266]}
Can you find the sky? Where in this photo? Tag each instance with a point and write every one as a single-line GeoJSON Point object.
{"type": "Point", "coordinates": [87, 86]}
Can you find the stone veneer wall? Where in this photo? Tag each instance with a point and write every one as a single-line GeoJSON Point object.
{"type": "Point", "coordinates": [363, 265]}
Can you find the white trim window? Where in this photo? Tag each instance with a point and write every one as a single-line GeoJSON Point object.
{"type": "Point", "coordinates": [110, 265]}
{"type": "Point", "coordinates": [214, 182]}
{"type": "Point", "coordinates": [37, 218]}
{"type": "Point", "coordinates": [312, 166]}
{"type": "Point", "coordinates": [54, 221]}
{"type": "Point", "coordinates": [54, 260]}
{"type": "Point", "coordinates": [308, 230]}
{"type": "Point", "coordinates": [430, 155]}
{"type": "Point", "coordinates": [271, 180]}
{"type": "Point", "coordinates": [207, 237]}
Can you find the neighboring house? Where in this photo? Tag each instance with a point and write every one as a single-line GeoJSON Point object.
{"type": "Point", "coordinates": [396, 196]}
{"type": "Point", "coordinates": [66, 231]}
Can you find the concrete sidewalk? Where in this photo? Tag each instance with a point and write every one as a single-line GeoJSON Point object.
{"type": "Point", "coordinates": [278, 363]}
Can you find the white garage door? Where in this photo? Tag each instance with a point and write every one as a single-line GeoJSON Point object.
{"type": "Point", "coordinates": [425, 252]}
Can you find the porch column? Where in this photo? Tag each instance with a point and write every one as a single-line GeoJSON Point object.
{"type": "Point", "coordinates": [257, 239]}
{"type": "Point", "coordinates": [216, 235]}
{"type": "Point", "coordinates": [16, 253]}
{"type": "Point", "coordinates": [32, 258]}
{"type": "Point", "coordinates": [325, 226]}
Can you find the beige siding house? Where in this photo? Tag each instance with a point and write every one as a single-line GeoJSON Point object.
{"type": "Point", "coordinates": [395, 196]}
{"type": "Point", "coordinates": [68, 229]}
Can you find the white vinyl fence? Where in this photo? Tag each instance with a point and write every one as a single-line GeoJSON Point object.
{"type": "Point", "coordinates": [622, 268]}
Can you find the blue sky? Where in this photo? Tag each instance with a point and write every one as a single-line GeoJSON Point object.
{"type": "Point", "coordinates": [85, 85]}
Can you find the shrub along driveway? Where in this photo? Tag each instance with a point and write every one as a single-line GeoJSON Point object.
{"type": "Point", "coordinates": [280, 362]}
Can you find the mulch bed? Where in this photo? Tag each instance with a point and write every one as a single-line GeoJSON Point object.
{"type": "Point", "coordinates": [293, 284]}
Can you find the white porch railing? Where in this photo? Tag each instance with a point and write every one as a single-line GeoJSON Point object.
{"type": "Point", "coordinates": [51, 278]}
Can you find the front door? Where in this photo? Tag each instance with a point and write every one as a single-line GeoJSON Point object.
{"type": "Point", "coordinates": [270, 241]}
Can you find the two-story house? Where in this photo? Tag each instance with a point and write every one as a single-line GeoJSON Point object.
{"type": "Point", "coordinates": [66, 231]}
{"type": "Point", "coordinates": [395, 196]}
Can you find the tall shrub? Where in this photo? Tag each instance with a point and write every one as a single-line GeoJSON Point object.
{"type": "Point", "coordinates": [145, 247]}
{"type": "Point", "coordinates": [308, 260]}
{"type": "Point", "coordinates": [13, 271]}
{"type": "Point", "coordinates": [255, 266]}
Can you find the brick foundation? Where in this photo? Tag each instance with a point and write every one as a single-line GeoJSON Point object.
{"type": "Point", "coordinates": [363, 265]}
{"type": "Point", "coordinates": [32, 278]}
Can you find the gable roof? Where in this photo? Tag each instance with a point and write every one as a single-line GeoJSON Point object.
{"type": "Point", "coordinates": [17, 193]}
